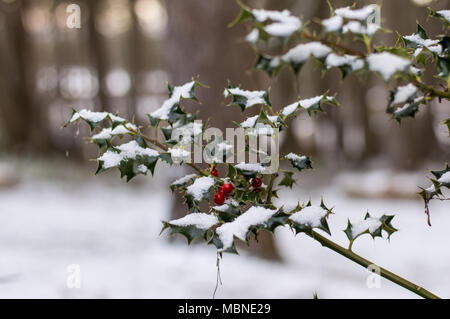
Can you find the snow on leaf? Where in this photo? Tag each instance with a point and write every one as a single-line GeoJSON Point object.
{"type": "Point", "coordinates": [443, 15]}
{"type": "Point", "coordinates": [309, 217]}
{"type": "Point", "coordinates": [245, 98]}
{"type": "Point", "coordinates": [130, 158]}
{"type": "Point", "coordinates": [199, 190]}
{"type": "Point", "coordinates": [298, 55]}
{"type": "Point", "coordinates": [106, 134]}
{"type": "Point", "coordinates": [249, 169]}
{"type": "Point", "coordinates": [95, 118]}
{"type": "Point", "coordinates": [299, 162]}
{"type": "Point", "coordinates": [170, 110]}
{"type": "Point", "coordinates": [387, 64]}
{"type": "Point", "coordinates": [194, 225]}
{"type": "Point", "coordinates": [420, 41]}
{"type": "Point", "coordinates": [279, 23]}
{"type": "Point", "coordinates": [182, 181]}
{"type": "Point", "coordinates": [269, 64]}
{"type": "Point", "coordinates": [255, 217]}
{"type": "Point", "coordinates": [370, 225]}
{"type": "Point", "coordinates": [333, 24]}
{"type": "Point", "coordinates": [313, 104]}
{"type": "Point", "coordinates": [346, 63]}
{"type": "Point", "coordinates": [356, 14]}
{"type": "Point", "coordinates": [441, 179]}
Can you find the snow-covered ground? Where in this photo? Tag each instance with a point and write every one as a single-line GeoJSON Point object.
{"type": "Point", "coordinates": [111, 231]}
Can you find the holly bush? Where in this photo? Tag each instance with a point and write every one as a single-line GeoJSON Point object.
{"type": "Point", "coordinates": [221, 209]}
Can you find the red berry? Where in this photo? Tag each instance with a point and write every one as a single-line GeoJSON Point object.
{"type": "Point", "coordinates": [227, 188]}
{"type": "Point", "coordinates": [219, 198]}
{"type": "Point", "coordinates": [256, 182]}
{"type": "Point", "coordinates": [220, 190]}
{"type": "Point", "coordinates": [214, 172]}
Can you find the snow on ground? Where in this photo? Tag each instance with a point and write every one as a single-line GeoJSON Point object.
{"type": "Point", "coordinates": [112, 233]}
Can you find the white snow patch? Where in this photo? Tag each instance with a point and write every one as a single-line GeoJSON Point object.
{"type": "Point", "coordinates": [295, 157]}
{"type": "Point", "coordinates": [240, 226]}
{"type": "Point", "coordinates": [387, 64]}
{"type": "Point", "coordinates": [333, 24]}
{"type": "Point", "coordinates": [179, 92]}
{"type": "Point", "coordinates": [356, 14]}
{"type": "Point", "coordinates": [253, 97]}
{"type": "Point", "coordinates": [371, 224]}
{"type": "Point", "coordinates": [289, 109]}
{"type": "Point", "coordinates": [334, 60]}
{"type": "Point", "coordinates": [200, 186]}
{"type": "Point", "coordinates": [310, 215]}
{"type": "Point", "coordinates": [127, 151]}
{"type": "Point", "coordinates": [302, 52]}
{"type": "Point", "coordinates": [445, 14]}
{"type": "Point", "coordinates": [307, 103]}
{"type": "Point", "coordinates": [445, 178]}
{"type": "Point", "coordinates": [284, 24]}
{"type": "Point", "coordinates": [183, 180]}
{"type": "Point", "coordinates": [199, 220]}
{"type": "Point", "coordinates": [404, 93]}
{"type": "Point", "coordinates": [250, 167]}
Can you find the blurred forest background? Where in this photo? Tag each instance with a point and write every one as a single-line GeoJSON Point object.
{"type": "Point", "coordinates": [126, 51]}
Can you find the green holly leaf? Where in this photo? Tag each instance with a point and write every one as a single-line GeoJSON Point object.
{"type": "Point", "coordinates": [104, 137]}
{"type": "Point", "coordinates": [346, 64]}
{"type": "Point", "coordinates": [287, 179]}
{"type": "Point", "coordinates": [299, 162]}
{"type": "Point", "coordinates": [199, 190]}
{"type": "Point", "coordinates": [269, 23]}
{"type": "Point", "coordinates": [246, 99]}
{"type": "Point", "coordinates": [171, 110]}
{"type": "Point", "coordinates": [193, 225]}
{"type": "Point", "coordinates": [249, 170]}
{"type": "Point", "coordinates": [300, 54]}
{"type": "Point", "coordinates": [93, 119]}
{"type": "Point", "coordinates": [256, 218]}
{"type": "Point", "coordinates": [183, 181]}
{"type": "Point", "coordinates": [131, 159]}
{"type": "Point", "coordinates": [370, 225]}
{"type": "Point", "coordinates": [271, 65]}
{"type": "Point", "coordinates": [228, 211]}
{"type": "Point", "coordinates": [404, 102]}
{"type": "Point", "coordinates": [311, 105]}
{"type": "Point", "coordinates": [305, 219]}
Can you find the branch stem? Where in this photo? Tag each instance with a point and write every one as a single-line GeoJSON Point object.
{"type": "Point", "coordinates": [366, 263]}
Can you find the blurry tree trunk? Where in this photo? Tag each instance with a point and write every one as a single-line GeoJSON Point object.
{"type": "Point", "coordinates": [200, 43]}
{"type": "Point", "coordinates": [15, 107]}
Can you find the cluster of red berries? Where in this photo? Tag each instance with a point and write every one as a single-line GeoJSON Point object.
{"type": "Point", "coordinates": [256, 184]}
{"type": "Point", "coordinates": [225, 191]}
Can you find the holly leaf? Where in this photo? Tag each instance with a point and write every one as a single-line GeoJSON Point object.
{"type": "Point", "coordinates": [246, 99]}
{"type": "Point", "coordinates": [346, 64]}
{"type": "Point", "coordinates": [182, 182]}
{"type": "Point", "coordinates": [287, 179]}
{"type": "Point", "coordinates": [249, 170]}
{"type": "Point", "coordinates": [191, 226]}
{"type": "Point", "coordinates": [93, 119]}
{"type": "Point", "coordinates": [300, 54]}
{"type": "Point", "coordinates": [370, 225]}
{"type": "Point", "coordinates": [171, 110]}
{"type": "Point", "coordinates": [199, 190]}
{"type": "Point", "coordinates": [268, 64]}
{"type": "Point", "coordinates": [256, 218]}
{"type": "Point", "coordinates": [131, 158]}
{"type": "Point", "coordinates": [104, 137]}
{"type": "Point", "coordinates": [305, 219]}
{"type": "Point", "coordinates": [228, 211]}
{"type": "Point", "coordinates": [299, 162]}
{"type": "Point", "coordinates": [404, 102]}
